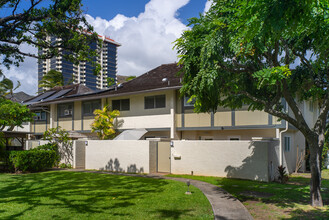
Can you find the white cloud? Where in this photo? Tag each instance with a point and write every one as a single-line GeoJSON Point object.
{"type": "Point", "coordinates": [207, 6]}
{"type": "Point", "coordinates": [26, 73]}
{"type": "Point", "coordinates": [146, 39]}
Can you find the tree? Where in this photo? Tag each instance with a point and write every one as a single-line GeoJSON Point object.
{"type": "Point", "coordinates": [7, 87]}
{"type": "Point", "coordinates": [105, 123]}
{"type": "Point", "coordinates": [32, 23]}
{"type": "Point", "coordinates": [60, 137]}
{"type": "Point", "coordinates": [51, 79]}
{"type": "Point", "coordinates": [257, 53]}
{"type": "Point", "coordinates": [13, 114]}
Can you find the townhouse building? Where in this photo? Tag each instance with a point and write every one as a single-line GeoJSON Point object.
{"type": "Point", "coordinates": [153, 102]}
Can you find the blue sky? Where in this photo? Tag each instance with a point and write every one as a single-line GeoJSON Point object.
{"type": "Point", "coordinates": [146, 29]}
{"type": "Point", "coordinates": [108, 9]}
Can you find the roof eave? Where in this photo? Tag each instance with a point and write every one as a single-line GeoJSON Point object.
{"type": "Point", "coordinates": [106, 96]}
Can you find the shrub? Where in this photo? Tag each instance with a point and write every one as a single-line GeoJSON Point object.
{"type": "Point", "coordinates": [31, 160]}
{"type": "Point", "coordinates": [283, 176]}
{"type": "Point", "coordinates": [65, 166]}
{"type": "Point", "coordinates": [53, 147]}
{"type": "Point", "coordinates": [49, 146]}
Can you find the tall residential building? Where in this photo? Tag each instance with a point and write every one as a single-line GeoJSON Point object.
{"type": "Point", "coordinates": [83, 73]}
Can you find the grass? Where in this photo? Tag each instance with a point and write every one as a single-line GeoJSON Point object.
{"type": "Point", "coordinates": [275, 200]}
{"type": "Point", "coordinates": [77, 195]}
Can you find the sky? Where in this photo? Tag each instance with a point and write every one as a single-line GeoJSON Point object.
{"type": "Point", "coordinates": [146, 29]}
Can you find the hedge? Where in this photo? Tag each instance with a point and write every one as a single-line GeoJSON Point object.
{"type": "Point", "coordinates": [34, 160]}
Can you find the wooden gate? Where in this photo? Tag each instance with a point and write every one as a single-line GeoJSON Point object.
{"type": "Point", "coordinates": [164, 152]}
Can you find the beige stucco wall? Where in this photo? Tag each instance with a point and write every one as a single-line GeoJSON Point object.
{"type": "Point", "coordinates": [178, 120]}
{"type": "Point", "coordinates": [236, 159]}
{"type": "Point", "coordinates": [245, 134]}
{"type": "Point", "coordinates": [87, 121]}
{"type": "Point", "coordinates": [40, 127]}
{"type": "Point", "coordinates": [251, 118]}
{"type": "Point", "coordinates": [223, 119]}
{"type": "Point", "coordinates": [197, 120]}
{"type": "Point", "coordinates": [77, 116]}
{"type": "Point", "coordinates": [123, 156]}
{"type": "Point", "coordinates": [146, 121]}
{"type": "Point", "coordinates": [275, 120]}
{"type": "Point", "coordinates": [137, 104]}
{"type": "Point", "coordinates": [65, 123]}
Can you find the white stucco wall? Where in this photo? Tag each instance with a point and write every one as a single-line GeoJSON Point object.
{"type": "Point", "coordinates": [120, 156]}
{"type": "Point", "coordinates": [235, 159]}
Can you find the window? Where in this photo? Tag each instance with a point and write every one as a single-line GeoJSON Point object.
{"type": "Point", "coordinates": [65, 110]}
{"type": "Point", "coordinates": [187, 103]}
{"type": "Point", "coordinates": [121, 104]}
{"type": "Point", "coordinates": [40, 116]}
{"type": "Point", "coordinates": [89, 107]}
{"type": "Point", "coordinates": [287, 144]}
{"type": "Point", "coordinates": [158, 101]}
{"type": "Point", "coordinates": [234, 138]}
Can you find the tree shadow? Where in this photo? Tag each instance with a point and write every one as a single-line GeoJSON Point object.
{"type": "Point", "coordinates": [309, 214]}
{"type": "Point", "coordinates": [76, 193]}
{"type": "Point", "coordinates": [114, 166]}
{"type": "Point", "coordinates": [173, 214]}
{"type": "Point", "coordinates": [252, 166]}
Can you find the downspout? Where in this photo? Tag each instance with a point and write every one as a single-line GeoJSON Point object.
{"type": "Point", "coordinates": [280, 138]}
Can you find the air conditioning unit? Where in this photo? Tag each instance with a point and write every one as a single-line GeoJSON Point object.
{"type": "Point", "coordinates": [67, 112]}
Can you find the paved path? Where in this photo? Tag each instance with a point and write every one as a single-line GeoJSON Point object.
{"type": "Point", "coordinates": [224, 205]}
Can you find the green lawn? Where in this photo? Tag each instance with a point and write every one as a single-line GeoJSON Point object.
{"type": "Point", "coordinates": [76, 195]}
{"type": "Point", "coordinates": [274, 200]}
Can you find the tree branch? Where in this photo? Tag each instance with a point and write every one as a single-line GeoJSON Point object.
{"type": "Point", "coordinates": [268, 108]}
{"type": "Point", "coordinates": [320, 123]}
{"type": "Point", "coordinates": [301, 125]}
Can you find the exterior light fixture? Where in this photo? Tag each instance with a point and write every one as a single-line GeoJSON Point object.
{"type": "Point", "coordinates": [188, 183]}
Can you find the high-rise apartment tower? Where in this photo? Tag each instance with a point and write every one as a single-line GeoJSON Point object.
{"type": "Point", "coordinates": [83, 73]}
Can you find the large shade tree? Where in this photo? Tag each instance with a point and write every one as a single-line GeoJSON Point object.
{"type": "Point", "coordinates": [13, 114]}
{"type": "Point", "coordinates": [33, 22]}
{"type": "Point", "coordinates": [257, 53]}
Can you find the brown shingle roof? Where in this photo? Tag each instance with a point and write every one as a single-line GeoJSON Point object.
{"type": "Point", "coordinates": [152, 79]}
{"type": "Point", "coordinates": [165, 76]}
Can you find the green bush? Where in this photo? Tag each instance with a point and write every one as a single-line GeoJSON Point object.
{"type": "Point", "coordinates": [31, 160]}
{"type": "Point", "coordinates": [49, 146]}
{"type": "Point", "coordinates": [53, 147]}
{"type": "Point", "coordinates": [65, 166]}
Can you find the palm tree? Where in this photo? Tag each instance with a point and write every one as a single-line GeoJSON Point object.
{"type": "Point", "coordinates": [7, 87]}
{"type": "Point", "coordinates": [105, 123]}
{"type": "Point", "coordinates": [51, 79]}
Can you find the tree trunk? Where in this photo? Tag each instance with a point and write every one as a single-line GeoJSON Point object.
{"type": "Point", "coordinates": [315, 186]}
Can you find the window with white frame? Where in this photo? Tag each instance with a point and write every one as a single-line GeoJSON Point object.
{"type": "Point", "coordinates": [287, 143]}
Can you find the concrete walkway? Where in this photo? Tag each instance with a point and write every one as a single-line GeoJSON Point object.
{"type": "Point", "coordinates": [224, 205]}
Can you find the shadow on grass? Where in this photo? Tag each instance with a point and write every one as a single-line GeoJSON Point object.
{"type": "Point", "coordinates": [282, 195]}
{"type": "Point", "coordinates": [77, 192]}
{"type": "Point", "coordinates": [173, 214]}
{"type": "Point", "coordinates": [308, 214]}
